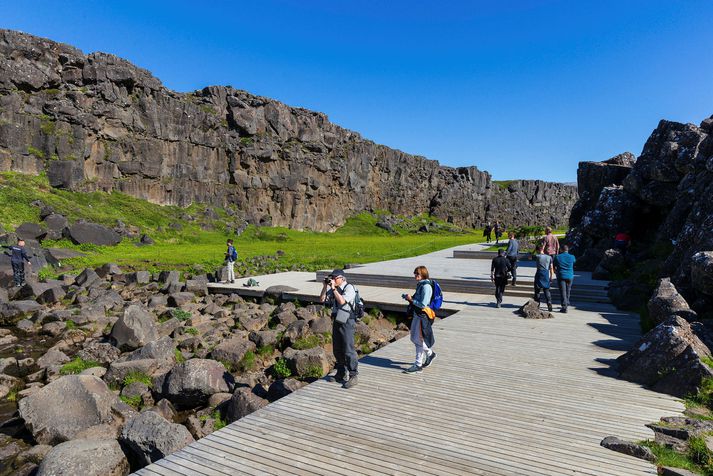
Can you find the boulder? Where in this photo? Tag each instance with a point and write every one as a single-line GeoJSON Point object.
{"type": "Point", "coordinates": [30, 290]}
{"type": "Point", "coordinates": [286, 317]}
{"type": "Point", "coordinates": [702, 272]}
{"type": "Point", "coordinates": [666, 302]}
{"type": "Point", "coordinates": [295, 331]}
{"type": "Point", "coordinates": [55, 222]}
{"type": "Point", "coordinates": [232, 351]}
{"type": "Point", "coordinates": [668, 358]}
{"type": "Point", "coordinates": [531, 310]}
{"type": "Point", "coordinates": [628, 448]}
{"type": "Point", "coordinates": [139, 277]}
{"type": "Point", "coordinates": [100, 352]}
{"type": "Point", "coordinates": [264, 338]}
{"type": "Point", "coordinates": [243, 403]}
{"type": "Point", "coordinates": [180, 298]}
{"type": "Point", "coordinates": [167, 277]}
{"type": "Point", "coordinates": [199, 287]}
{"type": "Point", "coordinates": [70, 404]}
{"type": "Point", "coordinates": [30, 231]}
{"type": "Point", "coordinates": [52, 295]}
{"type": "Point", "coordinates": [283, 387]}
{"type": "Point", "coordinates": [161, 349]}
{"type": "Point", "coordinates": [118, 371]}
{"type": "Point", "coordinates": [134, 329]}
{"type": "Point", "coordinates": [108, 269]}
{"type": "Point", "coordinates": [52, 358]}
{"type": "Point", "coordinates": [92, 233]}
{"type": "Point", "coordinates": [191, 383]}
{"type": "Point", "coordinates": [149, 437]}
{"type": "Point", "coordinates": [86, 278]}
{"type": "Point", "coordinates": [301, 362]}
{"type": "Point", "coordinates": [255, 323]}
{"type": "Point", "coordinates": [165, 409]}
{"type": "Point", "coordinates": [86, 458]}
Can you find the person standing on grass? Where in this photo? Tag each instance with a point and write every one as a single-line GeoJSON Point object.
{"type": "Point", "coordinates": [564, 267]}
{"type": "Point", "coordinates": [498, 232]}
{"type": "Point", "coordinates": [499, 269]}
{"type": "Point", "coordinates": [341, 296]}
{"type": "Point", "coordinates": [18, 258]}
{"type": "Point", "coordinates": [487, 231]}
{"type": "Point", "coordinates": [511, 253]}
{"type": "Point", "coordinates": [543, 276]}
{"type": "Point", "coordinates": [421, 331]}
{"type": "Point", "coordinates": [230, 256]}
{"type": "Point", "coordinates": [550, 243]}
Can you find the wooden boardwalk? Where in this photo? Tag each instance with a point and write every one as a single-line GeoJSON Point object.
{"type": "Point", "coordinates": [505, 396]}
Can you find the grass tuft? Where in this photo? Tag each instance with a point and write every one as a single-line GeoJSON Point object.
{"type": "Point", "coordinates": [77, 365]}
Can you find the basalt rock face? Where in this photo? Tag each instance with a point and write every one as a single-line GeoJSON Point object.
{"type": "Point", "coordinates": [97, 122]}
{"type": "Point", "coordinates": [665, 202]}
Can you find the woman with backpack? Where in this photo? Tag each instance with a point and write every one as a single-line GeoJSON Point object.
{"type": "Point", "coordinates": [422, 319]}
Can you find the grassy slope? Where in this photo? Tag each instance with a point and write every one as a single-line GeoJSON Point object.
{"type": "Point", "coordinates": [358, 241]}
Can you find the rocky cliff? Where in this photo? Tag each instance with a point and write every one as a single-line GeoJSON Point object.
{"type": "Point", "coordinates": [665, 201]}
{"type": "Point", "coordinates": [97, 122]}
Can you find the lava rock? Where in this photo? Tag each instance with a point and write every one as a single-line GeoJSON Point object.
{"type": "Point", "coordinates": [86, 458]}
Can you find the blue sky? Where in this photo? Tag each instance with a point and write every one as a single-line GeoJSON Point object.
{"type": "Point", "coordinates": [522, 89]}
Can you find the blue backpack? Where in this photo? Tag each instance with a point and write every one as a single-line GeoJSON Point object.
{"type": "Point", "coordinates": [233, 254]}
{"type": "Point", "coordinates": [437, 299]}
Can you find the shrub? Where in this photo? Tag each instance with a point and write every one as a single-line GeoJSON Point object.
{"type": "Point", "coordinates": [36, 152]}
{"type": "Point", "coordinates": [70, 324]}
{"type": "Point", "coordinates": [77, 366]}
{"type": "Point", "coordinates": [281, 369]}
{"type": "Point", "coordinates": [191, 330]}
{"type": "Point", "coordinates": [218, 420]}
{"type": "Point", "coordinates": [265, 350]}
{"type": "Point", "coordinates": [247, 362]}
{"type": "Point", "coordinates": [179, 356]}
{"type": "Point", "coordinates": [308, 342]}
{"type": "Point", "coordinates": [134, 401]}
{"type": "Point", "coordinates": [181, 315]}
{"type": "Point", "coordinates": [137, 377]}
{"type": "Point", "coordinates": [314, 371]}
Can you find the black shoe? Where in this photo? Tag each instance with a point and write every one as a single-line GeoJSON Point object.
{"type": "Point", "coordinates": [497, 304]}
{"type": "Point", "coordinates": [549, 307]}
{"type": "Point", "coordinates": [429, 359]}
{"type": "Point", "coordinates": [513, 283]}
{"type": "Point", "coordinates": [413, 369]}
{"type": "Point", "coordinates": [564, 310]}
{"type": "Point", "coordinates": [353, 380]}
{"type": "Point", "coordinates": [338, 377]}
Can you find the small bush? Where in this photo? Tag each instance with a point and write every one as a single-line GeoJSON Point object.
{"type": "Point", "coordinates": [669, 457]}
{"type": "Point", "coordinates": [179, 356]}
{"type": "Point", "coordinates": [36, 152]}
{"type": "Point", "coordinates": [308, 342]}
{"type": "Point", "coordinates": [265, 350]}
{"type": "Point", "coordinates": [247, 362]}
{"type": "Point", "coordinates": [12, 395]}
{"type": "Point", "coordinates": [191, 330]}
{"type": "Point", "coordinates": [246, 140]}
{"type": "Point", "coordinates": [281, 369]}
{"type": "Point", "coordinates": [313, 371]}
{"type": "Point", "coordinates": [134, 401]}
{"type": "Point", "coordinates": [228, 365]}
{"type": "Point", "coordinates": [137, 377]}
{"type": "Point", "coordinates": [77, 366]}
{"type": "Point", "coordinates": [70, 324]}
{"type": "Point", "coordinates": [181, 315]}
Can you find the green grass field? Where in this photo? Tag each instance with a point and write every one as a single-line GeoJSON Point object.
{"type": "Point", "coordinates": [200, 243]}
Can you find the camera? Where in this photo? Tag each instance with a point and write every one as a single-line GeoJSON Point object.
{"type": "Point", "coordinates": [328, 281]}
{"type": "Point", "coordinates": [403, 296]}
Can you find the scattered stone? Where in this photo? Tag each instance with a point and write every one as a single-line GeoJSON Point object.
{"type": "Point", "coordinates": [702, 272]}
{"type": "Point", "coordinates": [134, 329]}
{"type": "Point", "coordinates": [531, 310]}
{"type": "Point", "coordinates": [149, 437]}
{"type": "Point", "coordinates": [191, 383]}
{"type": "Point", "coordinates": [166, 410]}
{"type": "Point", "coordinates": [65, 407]}
{"type": "Point", "coordinates": [666, 302]}
{"type": "Point", "coordinates": [86, 458]}
{"type": "Point", "coordinates": [180, 298]}
{"type": "Point", "coordinates": [232, 350]}
{"type": "Point", "coordinates": [92, 233]}
{"type": "Point", "coordinates": [628, 448]}
{"type": "Point", "coordinates": [101, 352]}
{"type": "Point", "coordinates": [302, 362]}
{"type": "Point", "coordinates": [283, 387]}
{"type": "Point", "coordinates": [243, 403]}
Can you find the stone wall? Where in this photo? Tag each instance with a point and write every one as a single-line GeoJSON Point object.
{"type": "Point", "coordinates": [97, 122]}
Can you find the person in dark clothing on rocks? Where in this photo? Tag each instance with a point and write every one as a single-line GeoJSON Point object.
{"type": "Point", "coordinates": [511, 253]}
{"type": "Point", "coordinates": [499, 269]}
{"type": "Point", "coordinates": [498, 229]}
{"type": "Point", "coordinates": [18, 257]}
{"type": "Point", "coordinates": [564, 267]}
{"type": "Point", "coordinates": [622, 241]}
{"type": "Point", "coordinates": [487, 231]}
{"type": "Point", "coordinates": [422, 317]}
{"type": "Point", "coordinates": [543, 276]}
{"type": "Point", "coordinates": [340, 296]}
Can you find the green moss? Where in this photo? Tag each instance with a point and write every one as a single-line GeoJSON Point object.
{"type": "Point", "coordinates": [308, 342]}
{"type": "Point", "coordinates": [179, 356]}
{"type": "Point", "coordinates": [504, 184]}
{"type": "Point", "coordinates": [181, 315]}
{"type": "Point", "coordinates": [669, 457]}
{"type": "Point", "coordinates": [138, 377]}
{"type": "Point", "coordinates": [313, 371]}
{"type": "Point", "coordinates": [265, 350]}
{"type": "Point", "coordinates": [133, 401]}
{"type": "Point", "coordinates": [246, 140]}
{"type": "Point", "coordinates": [77, 365]}
{"type": "Point", "coordinates": [35, 152]}
{"type": "Point", "coordinates": [70, 324]}
{"type": "Point", "coordinates": [247, 363]}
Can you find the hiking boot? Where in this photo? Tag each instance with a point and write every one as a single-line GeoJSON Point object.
{"type": "Point", "coordinates": [513, 283]}
{"type": "Point", "coordinates": [353, 380]}
{"type": "Point", "coordinates": [497, 304]}
{"type": "Point", "coordinates": [564, 310]}
{"type": "Point", "coordinates": [338, 377]}
{"type": "Point", "coordinates": [549, 307]}
{"type": "Point", "coordinates": [429, 359]}
{"type": "Point", "coordinates": [413, 369]}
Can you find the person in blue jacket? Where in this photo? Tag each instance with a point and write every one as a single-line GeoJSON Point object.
{"type": "Point", "coordinates": [18, 257]}
{"type": "Point", "coordinates": [421, 331]}
{"type": "Point", "coordinates": [564, 268]}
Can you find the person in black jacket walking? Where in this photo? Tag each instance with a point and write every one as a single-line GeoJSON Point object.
{"type": "Point", "coordinates": [18, 257]}
{"type": "Point", "coordinates": [499, 269]}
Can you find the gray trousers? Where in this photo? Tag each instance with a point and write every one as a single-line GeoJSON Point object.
{"type": "Point", "coordinates": [565, 290]}
{"type": "Point", "coordinates": [343, 347]}
{"type": "Point", "coordinates": [548, 296]}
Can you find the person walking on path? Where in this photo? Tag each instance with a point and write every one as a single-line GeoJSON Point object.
{"type": "Point", "coordinates": [421, 331]}
{"type": "Point", "coordinates": [498, 232]}
{"type": "Point", "coordinates": [550, 243]}
{"type": "Point", "coordinates": [230, 256]}
{"type": "Point", "coordinates": [564, 267]}
{"type": "Point", "coordinates": [499, 269]}
{"type": "Point", "coordinates": [340, 296]}
{"type": "Point", "coordinates": [18, 258]}
{"type": "Point", "coordinates": [543, 276]}
{"type": "Point", "coordinates": [487, 231]}
{"type": "Point", "coordinates": [511, 253]}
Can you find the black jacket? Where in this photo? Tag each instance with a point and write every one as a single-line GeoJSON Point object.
{"type": "Point", "coordinates": [17, 254]}
{"type": "Point", "coordinates": [500, 267]}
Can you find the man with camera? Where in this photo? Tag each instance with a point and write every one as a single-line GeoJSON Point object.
{"type": "Point", "coordinates": [340, 295]}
